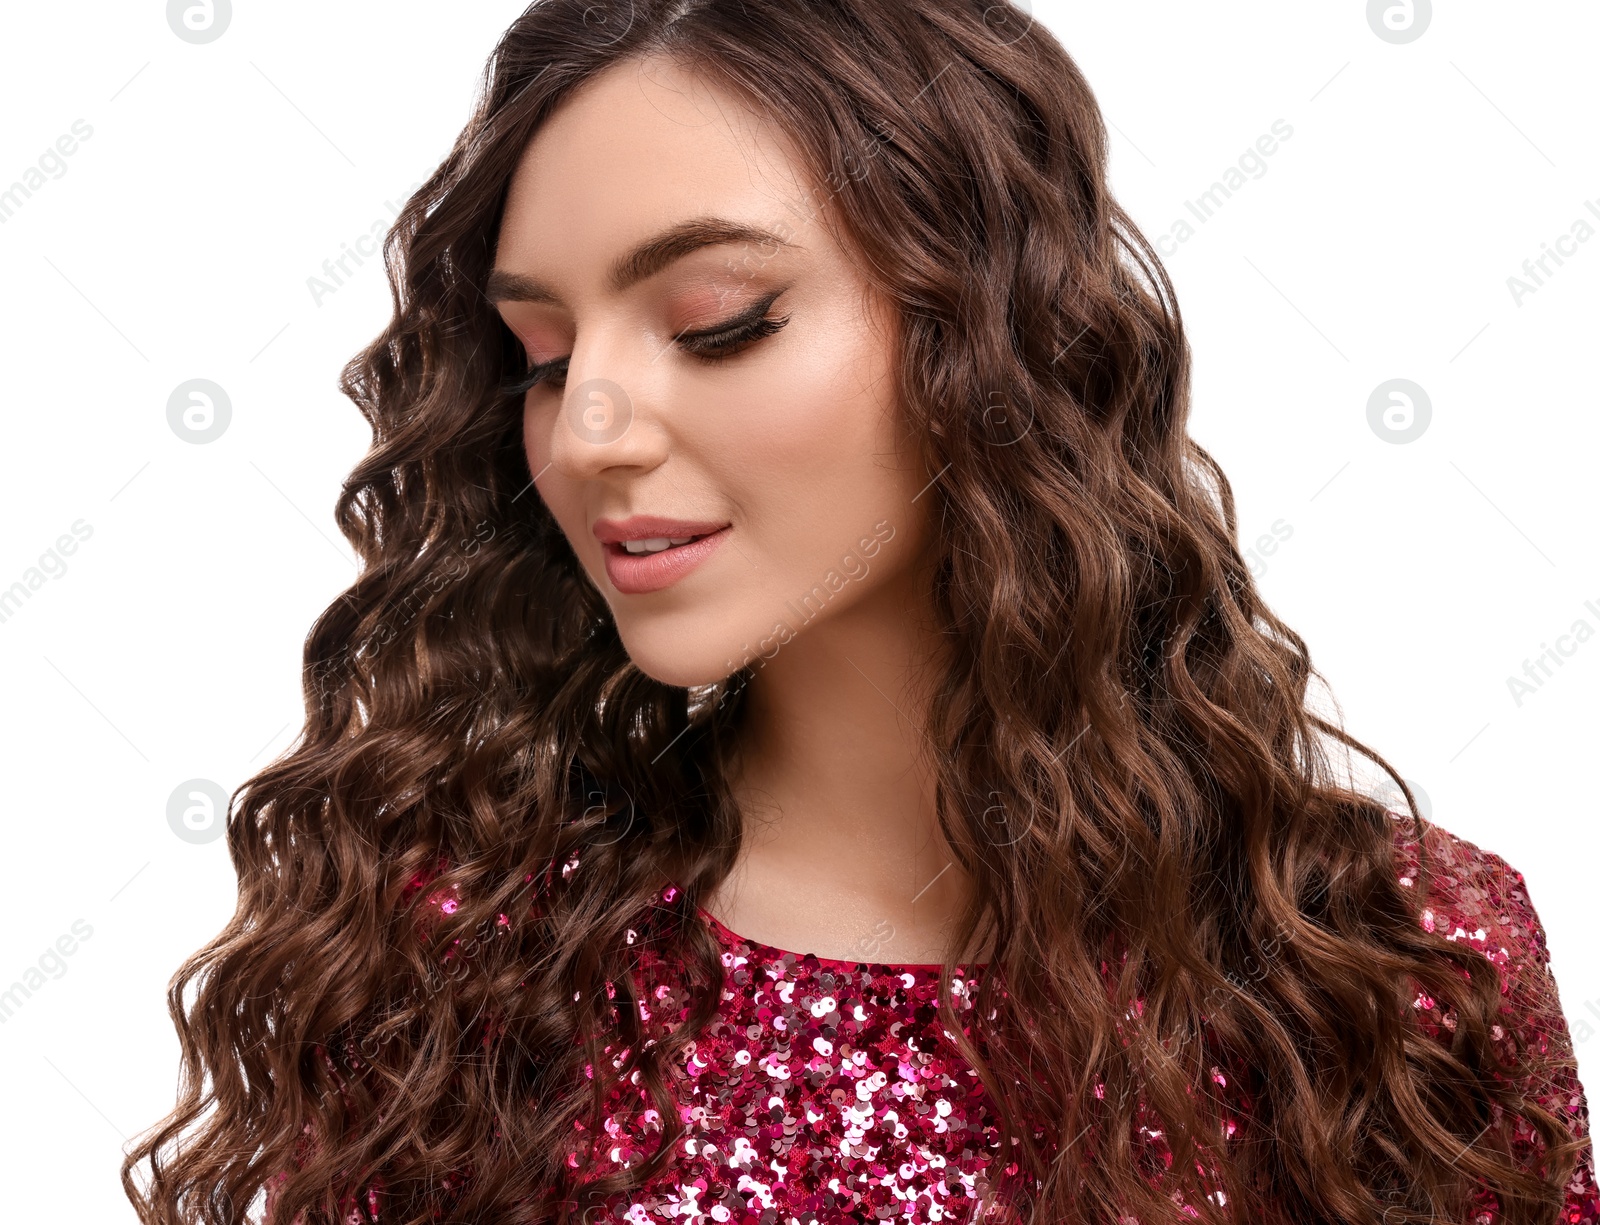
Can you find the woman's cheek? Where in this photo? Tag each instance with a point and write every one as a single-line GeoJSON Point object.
{"type": "Point", "coordinates": [536, 437]}
{"type": "Point", "coordinates": [556, 491]}
{"type": "Point", "coordinates": [798, 429]}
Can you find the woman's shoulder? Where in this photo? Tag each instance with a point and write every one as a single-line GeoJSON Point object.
{"type": "Point", "coordinates": [1470, 894]}
{"type": "Point", "coordinates": [1466, 888]}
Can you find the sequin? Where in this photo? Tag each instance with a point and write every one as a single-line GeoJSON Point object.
{"type": "Point", "coordinates": [823, 1091]}
{"type": "Point", "coordinates": [828, 1091]}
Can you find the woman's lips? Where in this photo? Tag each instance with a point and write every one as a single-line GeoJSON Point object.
{"type": "Point", "coordinates": [639, 573]}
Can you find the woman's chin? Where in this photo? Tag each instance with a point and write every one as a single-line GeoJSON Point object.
{"type": "Point", "coordinates": [682, 665]}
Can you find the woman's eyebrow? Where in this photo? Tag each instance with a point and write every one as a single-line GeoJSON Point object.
{"type": "Point", "coordinates": [645, 260]}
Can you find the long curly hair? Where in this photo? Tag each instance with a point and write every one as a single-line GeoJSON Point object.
{"type": "Point", "coordinates": [1128, 769]}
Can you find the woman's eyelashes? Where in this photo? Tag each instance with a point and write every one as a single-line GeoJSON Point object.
{"type": "Point", "coordinates": [709, 345]}
{"type": "Point", "coordinates": [716, 344]}
{"type": "Point", "coordinates": [535, 375]}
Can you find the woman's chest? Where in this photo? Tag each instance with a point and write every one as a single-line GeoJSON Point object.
{"type": "Point", "coordinates": [820, 1092]}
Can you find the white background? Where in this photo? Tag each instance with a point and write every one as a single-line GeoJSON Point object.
{"type": "Point", "coordinates": [178, 242]}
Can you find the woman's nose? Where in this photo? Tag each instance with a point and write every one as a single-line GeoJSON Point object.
{"type": "Point", "coordinates": [602, 422]}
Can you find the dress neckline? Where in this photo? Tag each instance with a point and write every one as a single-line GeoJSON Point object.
{"type": "Point", "coordinates": [732, 938]}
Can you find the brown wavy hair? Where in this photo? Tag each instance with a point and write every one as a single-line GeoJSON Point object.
{"type": "Point", "coordinates": [1129, 770]}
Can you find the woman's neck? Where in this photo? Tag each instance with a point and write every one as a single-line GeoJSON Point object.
{"type": "Point", "coordinates": [834, 776]}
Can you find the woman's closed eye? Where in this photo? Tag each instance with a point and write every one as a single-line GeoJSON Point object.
{"type": "Point", "coordinates": [710, 345]}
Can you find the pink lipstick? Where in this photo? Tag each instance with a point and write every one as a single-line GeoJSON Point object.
{"type": "Point", "coordinates": [645, 553]}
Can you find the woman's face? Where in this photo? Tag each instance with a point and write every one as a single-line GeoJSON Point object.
{"type": "Point", "coordinates": [720, 370]}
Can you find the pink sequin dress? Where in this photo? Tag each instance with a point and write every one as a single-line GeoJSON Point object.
{"type": "Point", "coordinates": [827, 1091]}
{"type": "Point", "coordinates": [824, 1091]}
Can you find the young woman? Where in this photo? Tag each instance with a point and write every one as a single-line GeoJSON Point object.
{"type": "Point", "coordinates": [805, 746]}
